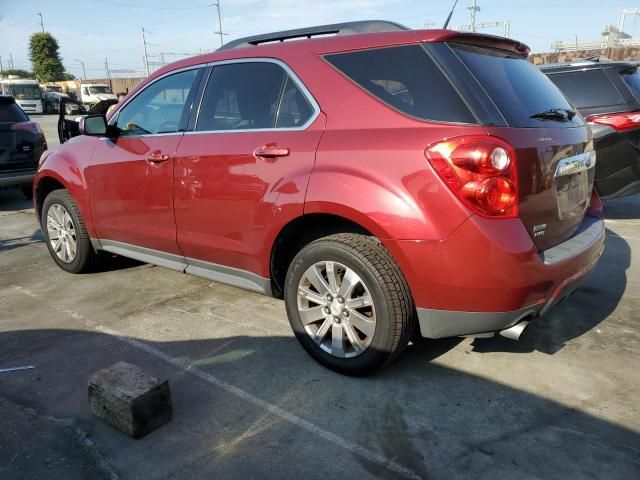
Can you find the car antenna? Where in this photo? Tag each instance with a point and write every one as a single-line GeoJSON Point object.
{"type": "Point", "coordinates": [446, 23]}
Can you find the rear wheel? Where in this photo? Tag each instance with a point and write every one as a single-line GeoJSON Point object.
{"type": "Point", "coordinates": [66, 234]}
{"type": "Point", "coordinates": [348, 303]}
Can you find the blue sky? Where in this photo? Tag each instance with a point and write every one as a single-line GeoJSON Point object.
{"type": "Point", "coordinates": [92, 30]}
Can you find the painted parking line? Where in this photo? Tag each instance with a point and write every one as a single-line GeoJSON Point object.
{"type": "Point", "coordinates": [236, 391]}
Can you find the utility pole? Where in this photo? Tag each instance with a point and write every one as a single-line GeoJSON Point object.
{"type": "Point", "coordinates": [84, 73]}
{"type": "Point", "coordinates": [217, 5]}
{"type": "Point", "coordinates": [474, 8]}
{"type": "Point", "coordinates": [106, 67]}
{"type": "Point", "coordinates": [41, 22]}
{"type": "Point", "coordinates": [146, 59]}
{"type": "Point", "coordinates": [576, 42]}
{"type": "Point", "coordinates": [11, 61]}
{"type": "Point", "coordinates": [1, 65]}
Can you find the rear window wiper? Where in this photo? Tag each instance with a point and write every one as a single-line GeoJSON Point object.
{"type": "Point", "coordinates": [561, 114]}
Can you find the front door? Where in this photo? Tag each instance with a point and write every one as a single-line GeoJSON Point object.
{"type": "Point", "coordinates": [130, 178]}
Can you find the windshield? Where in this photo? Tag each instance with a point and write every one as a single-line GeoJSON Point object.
{"type": "Point", "coordinates": [54, 89]}
{"type": "Point", "coordinates": [24, 91]}
{"type": "Point", "coordinates": [632, 79]}
{"type": "Point", "coordinates": [99, 89]}
{"type": "Point", "coordinates": [518, 88]}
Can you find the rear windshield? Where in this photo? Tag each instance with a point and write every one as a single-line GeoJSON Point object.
{"type": "Point", "coordinates": [517, 87]}
{"type": "Point", "coordinates": [631, 78]}
{"type": "Point", "coordinates": [587, 88]}
{"type": "Point", "coordinates": [12, 113]}
{"type": "Point", "coordinates": [406, 79]}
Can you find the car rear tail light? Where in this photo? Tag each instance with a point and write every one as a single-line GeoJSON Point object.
{"type": "Point", "coordinates": [32, 127]}
{"type": "Point", "coordinates": [480, 170]}
{"type": "Point", "coordinates": [620, 121]}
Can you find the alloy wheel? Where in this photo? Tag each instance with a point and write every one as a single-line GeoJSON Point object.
{"type": "Point", "coordinates": [336, 309]}
{"type": "Point", "coordinates": [62, 233]}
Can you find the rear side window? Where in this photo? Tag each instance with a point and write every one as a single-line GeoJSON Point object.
{"type": "Point", "coordinates": [12, 113]}
{"type": "Point", "coordinates": [517, 87]}
{"type": "Point", "coordinates": [588, 88]}
{"type": "Point", "coordinates": [250, 96]}
{"type": "Point", "coordinates": [406, 79]}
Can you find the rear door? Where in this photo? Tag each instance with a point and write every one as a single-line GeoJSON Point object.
{"type": "Point", "coordinates": [246, 166]}
{"type": "Point", "coordinates": [610, 99]}
{"type": "Point", "coordinates": [553, 146]}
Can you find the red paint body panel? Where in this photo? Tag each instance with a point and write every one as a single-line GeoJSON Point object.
{"type": "Point", "coordinates": [486, 265]}
{"type": "Point", "coordinates": [131, 197]}
{"type": "Point", "coordinates": [230, 204]}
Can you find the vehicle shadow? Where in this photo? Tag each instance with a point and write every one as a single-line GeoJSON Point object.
{"type": "Point", "coordinates": [13, 243]}
{"type": "Point", "coordinates": [259, 407]}
{"type": "Point", "coordinates": [624, 208]}
{"type": "Point", "coordinates": [12, 200]}
{"type": "Point", "coordinates": [585, 309]}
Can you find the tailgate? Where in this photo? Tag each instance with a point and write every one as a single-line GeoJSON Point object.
{"type": "Point", "coordinates": [555, 179]}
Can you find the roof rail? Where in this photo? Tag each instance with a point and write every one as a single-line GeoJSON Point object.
{"type": "Point", "coordinates": [347, 28]}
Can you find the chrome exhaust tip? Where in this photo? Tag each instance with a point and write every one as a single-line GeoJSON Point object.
{"type": "Point", "coordinates": [514, 332]}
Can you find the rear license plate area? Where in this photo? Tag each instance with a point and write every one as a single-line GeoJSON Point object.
{"type": "Point", "coordinates": [573, 194]}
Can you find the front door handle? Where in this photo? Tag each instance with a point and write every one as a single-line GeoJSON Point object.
{"type": "Point", "coordinates": [270, 150]}
{"type": "Point", "coordinates": [157, 157]}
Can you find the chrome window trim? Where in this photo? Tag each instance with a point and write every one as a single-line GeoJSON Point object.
{"type": "Point", "coordinates": [292, 75]}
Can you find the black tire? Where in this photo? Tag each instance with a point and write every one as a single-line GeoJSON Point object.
{"type": "Point", "coordinates": [85, 258]}
{"type": "Point", "coordinates": [394, 307]}
{"type": "Point", "coordinates": [27, 191]}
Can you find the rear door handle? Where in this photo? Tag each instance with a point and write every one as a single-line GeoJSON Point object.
{"type": "Point", "coordinates": [270, 151]}
{"type": "Point", "coordinates": [157, 157]}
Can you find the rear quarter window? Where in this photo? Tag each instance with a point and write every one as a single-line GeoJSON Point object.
{"type": "Point", "coordinates": [406, 79]}
{"type": "Point", "coordinates": [12, 113]}
{"type": "Point", "coordinates": [587, 88]}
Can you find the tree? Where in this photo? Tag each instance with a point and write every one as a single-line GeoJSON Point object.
{"type": "Point", "coordinates": [17, 72]}
{"type": "Point", "coordinates": [45, 58]}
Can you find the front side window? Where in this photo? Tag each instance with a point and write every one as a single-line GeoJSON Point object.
{"type": "Point", "coordinates": [159, 107]}
{"type": "Point", "coordinates": [250, 96]}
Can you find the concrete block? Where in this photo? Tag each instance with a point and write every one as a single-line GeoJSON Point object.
{"type": "Point", "coordinates": [129, 399]}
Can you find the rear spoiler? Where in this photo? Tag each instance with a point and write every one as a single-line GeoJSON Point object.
{"type": "Point", "coordinates": [478, 39]}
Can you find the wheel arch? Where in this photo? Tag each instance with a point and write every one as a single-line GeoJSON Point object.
{"type": "Point", "coordinates": [301, 231]}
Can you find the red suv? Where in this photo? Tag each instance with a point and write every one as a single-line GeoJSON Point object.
{"type": "Point", "coordinates": [385, 182]}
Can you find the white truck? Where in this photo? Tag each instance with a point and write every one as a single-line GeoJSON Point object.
{"type": "Point", "coordinates": [26, 92]}
{"type": "Point", "coordinates": [92, 93]}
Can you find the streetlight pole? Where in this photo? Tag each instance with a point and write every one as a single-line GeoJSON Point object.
{"type": "Point", "coordinates": [84, 73]}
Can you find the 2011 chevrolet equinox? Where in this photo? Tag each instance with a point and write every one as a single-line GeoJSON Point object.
{"type": "Point", "coordinates": [383, 181]}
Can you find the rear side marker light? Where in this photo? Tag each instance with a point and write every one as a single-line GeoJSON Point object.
{"type": "Point", "coordinates": [480, 170]}
{"type": "Point", "coordinates": [619, 121]}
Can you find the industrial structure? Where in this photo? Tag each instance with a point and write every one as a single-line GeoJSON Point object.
{"type": "Point", "coordinates": [612, 37]}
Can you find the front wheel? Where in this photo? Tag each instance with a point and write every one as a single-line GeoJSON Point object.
{"type": "Point", "coordinates": [349, 304]}
{"type": "Point", "coordinates": [65, 233]}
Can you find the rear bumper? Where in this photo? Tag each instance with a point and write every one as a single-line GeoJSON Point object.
{"type": "Point", "coordinates": [16, 179]}
{"type": "Point", "coordinates": [488, 275]}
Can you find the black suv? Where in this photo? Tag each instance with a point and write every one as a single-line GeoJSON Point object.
{"type": "Point", "coordinates": [21, 144]}
{"type": "Point", "coordinates": [608, 94]}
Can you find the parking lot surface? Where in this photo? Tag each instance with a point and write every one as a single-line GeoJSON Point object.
{"type": "Point", "coordinates": [249, 403]}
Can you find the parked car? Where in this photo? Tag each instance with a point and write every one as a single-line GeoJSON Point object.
{"type": "Point", "coordinates": [385, 183]}
{"type": "Point", "coordinates": [608, 95]}
{"type": "Point", "coordinates": [22, 143]}
{"type": "Point", "coordinates": [51, 103]}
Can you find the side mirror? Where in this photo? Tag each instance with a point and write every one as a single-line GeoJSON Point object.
{"type": "Point", "coordinates": [93, 125]}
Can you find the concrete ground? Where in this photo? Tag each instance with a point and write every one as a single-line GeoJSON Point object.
{"type": "Point", "coordinates": [249, 403]}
